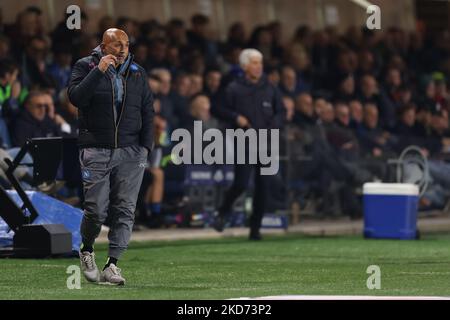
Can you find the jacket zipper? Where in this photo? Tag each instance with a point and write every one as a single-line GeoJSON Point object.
{"type": "Point", "coordinates": [123, 104]}
{"type": "Point", "coordinates": [113, 105]}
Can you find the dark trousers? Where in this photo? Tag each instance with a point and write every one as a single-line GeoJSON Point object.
{"type": "Point", "coordinates": [111, 181]}
{"type": "Point", "coordinates": [242, 176]}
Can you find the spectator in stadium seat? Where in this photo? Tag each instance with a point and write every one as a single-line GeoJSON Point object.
{"type": "Point", "coordinates": [34, 121]}
{"type": "Point", "coordinates": [157, 54]}
{"type": "Point", "coordinates": [319, 104]}
{"type": "Point", "coordinates": [326, 115]}
{"type": "Point", "coordinates": [176, 32]}
{"type": "Point", "coordinates": [342, 136]}
{"type": "Point", "coordinates": [374, 141]}
{"type": "Point", "coordinates": [346, 144]}
{"type": "Point", "coordinates": [370, 92]}
{"type": "Point", "coordinates": [69, 114]}
{"type": "Point", "coordinates": [4, 47]}
{"type": "Point", "coordinates": [10, 89]}
{"type": "Point", "coordinates": [273, 75]}
{"type": "Point", "coordinates": [60, 69]}
{"type": "Point", "coordinates": [199, 37]}
{"type": "Point", "coordinates": [356, 114]}
{"type": "Point", "coordinates": [289, 106]}
{"type": "Point", "coordinates": [180, 95]}
{"type": "Point", "coordinates": [5, 139]}
{"type": "Point", "coordinates": [304, 111]}
{"type": "Point", "coordinates": [438, 140]}
{"type": "Point", "coordinates": [407, 130]}
{"type": "Point", "coordinates": [213, 88]}
{"type": "Point", "coordinates": [64, 127]}
{"type": "Point", "coordinates": [442, 96]}
{"type": "Point", "coordinates": [237, 36]}
{"type": "Point", "coordinates": [392, 86]}
{"type": "Point", "coordinates": [196, 86]}
{"type": "Point", "coordinates": [299, 59]}
{"type": "Point", "coordinates": [140, 50]}
{"type": "Point", "coordinates": [288, 82]}
{"type": "Point", "coordinates": [163, 95]}
{"type": "Point", "coordinates": [345, 91]}
{"type": "Point", "coordinates": [33, 72]}
{"type": "Point", "coordinates": [199, 110]}
{"type": "Point", "coordinates": [367, 64]}
{"type": "Point", "coordinates": [27, 25]}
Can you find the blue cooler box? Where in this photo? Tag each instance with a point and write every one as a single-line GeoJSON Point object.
{"type": "Point", "coordinates": [390, 210]}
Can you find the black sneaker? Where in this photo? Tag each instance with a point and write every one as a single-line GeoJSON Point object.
{"type": "Point", "coordinates": [155, 221]}
{"type": "Point", "coordinates": [219, 223]}
{"type": "Point", "coordinates": [255, 236]}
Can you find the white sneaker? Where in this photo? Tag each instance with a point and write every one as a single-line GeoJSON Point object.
{"type": "Point", "coordinates": [88, 266]}
{"type": "Point", "coordinates": [111, 275]}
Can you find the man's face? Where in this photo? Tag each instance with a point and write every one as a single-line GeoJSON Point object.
{"type": "Point", "coordinates": [319, 105]}
{"type": "Point", "coordinates": [49, 101]}
{"type": "Point", "coordinates": [158, 51]}
{"type": "Point", "coordinates": [11, 77]}
{"type": "Point", "coordinates": [371, 117]}
{"type": "Point", "coordinates": [343, 114]}
{"type": "Point", "coordinates": [140, 53]}
{"type": "Point", "coordinates": [200, 108]}
{"type": "Point", "coordinates": [254, 68]}
{"type": "Point", "coordinates": [196, 85]}
{"type": "Point", "coordinates": [394, 78]}
{"type": "Point", "coordinates": [213, 80]}
{"type": "Point", "coordinates": [409, 117]}
{"type": "Point", "coordinates": [166, 80]}
{"type": "Point", "coordinates": [327, 113]}
{"type": "Point", "coordinates": [289, 106]}
{"type": "Point", "coordinates": [305, 104]}
{"type": "Point", "coordinates": [289, 78]}
{"type": "Point", "coordinates": [37, 107]}
{"type": "Point", "coordinates": [37, 50]}
{"type": "Point", "coordinates": [348, 85]}
{"type": "Point", "coordinates": [116, 43]}
{"type": "Point", "coordinates": [183, 86]}
{"type": "Point", "coordinates": [356, 111]}
{"type": "Point", "coordinates": [369, 86]}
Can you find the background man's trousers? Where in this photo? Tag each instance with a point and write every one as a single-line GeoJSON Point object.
{"type": "Point", "coordinates": [242, 176]}
{"type": "Point", "coordinates": [111, 182]}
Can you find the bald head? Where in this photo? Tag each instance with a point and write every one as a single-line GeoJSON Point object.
{"type": "Point", "coordinates": [115, 42]}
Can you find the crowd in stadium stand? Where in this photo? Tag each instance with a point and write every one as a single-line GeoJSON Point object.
{"type": "Point", "coordinates": [353, 100]}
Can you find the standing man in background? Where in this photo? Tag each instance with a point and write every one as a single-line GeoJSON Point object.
{"type": "Point", "coordinates": [250, 102]}
{"type": "Point", "coordinates": [115, 108]}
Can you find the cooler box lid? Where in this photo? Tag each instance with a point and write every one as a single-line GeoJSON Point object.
{"type": "Point", "coordinates": [403, 189]}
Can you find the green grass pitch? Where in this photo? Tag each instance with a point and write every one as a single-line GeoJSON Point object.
{"type": "Point", "coordinates": [234, 267]}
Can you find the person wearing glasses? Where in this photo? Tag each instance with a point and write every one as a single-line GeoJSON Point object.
{"type": "Point", "coordinates": [34, 121]}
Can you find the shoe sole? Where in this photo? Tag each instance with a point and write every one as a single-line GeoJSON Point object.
{"type": "Point", "coordinates": [91, 281]}
{"type": "Point", "coordinates": [105, 283]}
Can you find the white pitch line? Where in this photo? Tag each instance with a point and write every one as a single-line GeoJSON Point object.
{"type": "Point", "coordinates": [319, 297]}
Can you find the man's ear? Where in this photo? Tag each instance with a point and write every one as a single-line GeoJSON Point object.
{"type": "Point", "coordinates": [102, 46]}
